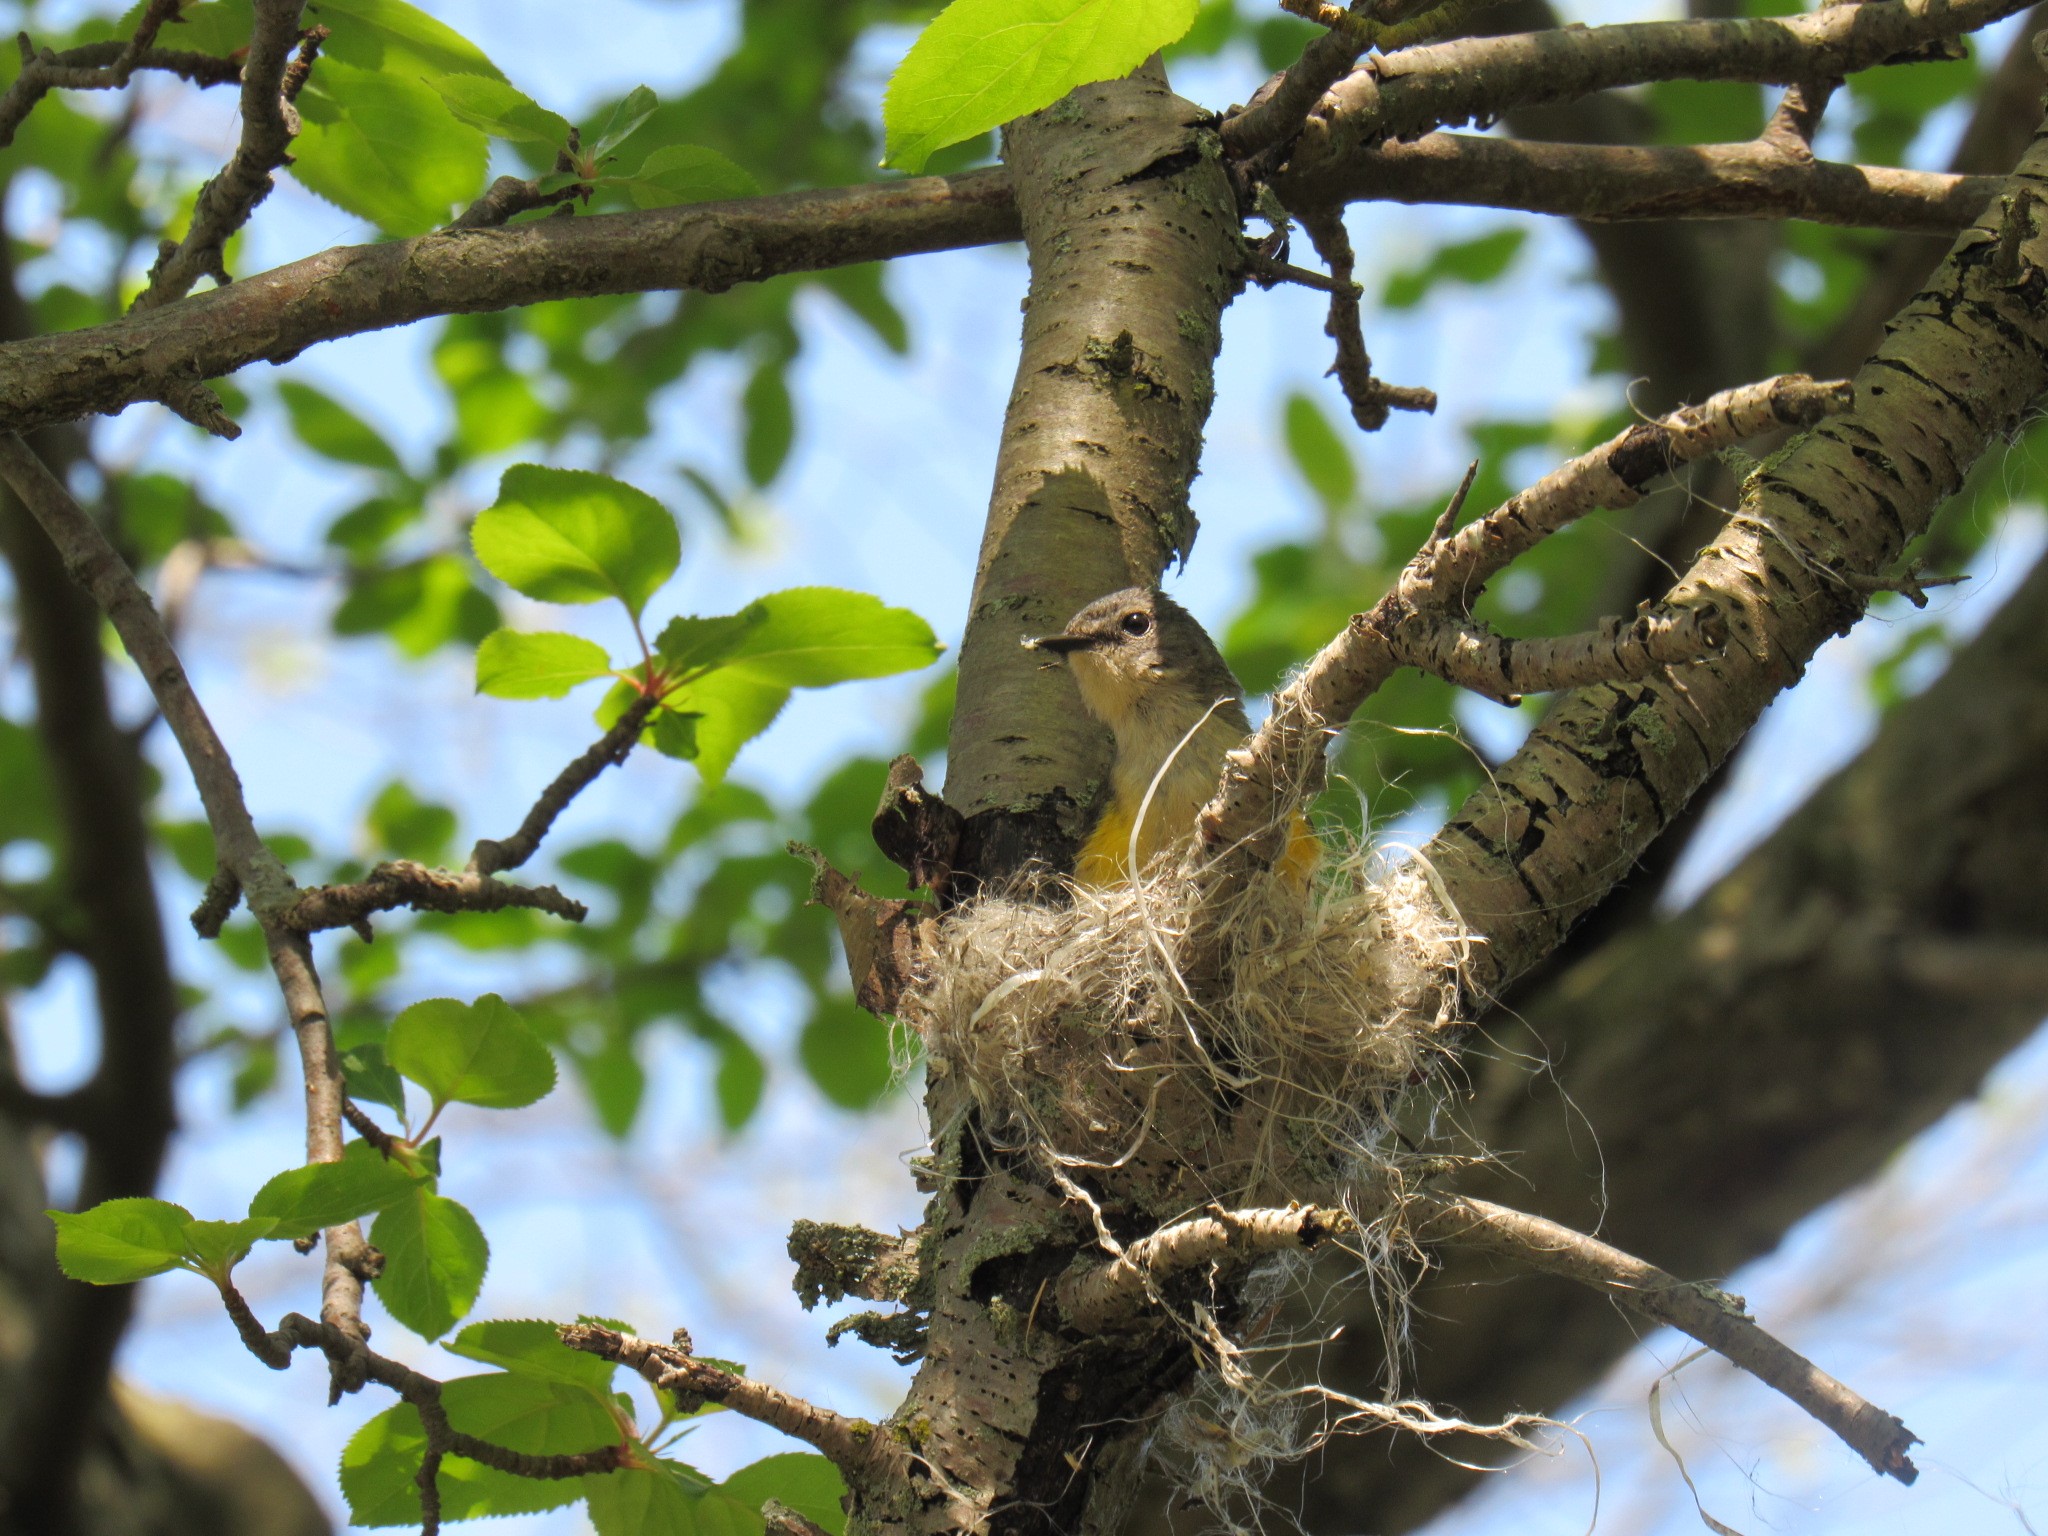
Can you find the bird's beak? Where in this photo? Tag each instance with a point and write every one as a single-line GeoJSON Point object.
{"type": "Point", "coordinates": [1061, 644]}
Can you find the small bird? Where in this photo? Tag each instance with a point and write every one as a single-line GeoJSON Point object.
{"type": "Point", "coordinates": [1148, 671]}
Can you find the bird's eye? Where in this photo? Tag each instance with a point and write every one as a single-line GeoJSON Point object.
{"type": "Point", "coordinates": [1136, 623]}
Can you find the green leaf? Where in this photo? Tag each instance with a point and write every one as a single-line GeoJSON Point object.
{"type": "Point", "coordinates": [363, 531]}
{"type": "Point", "coordinates": [741, 1075]}
{"type": "Point", "coordinates": [435, 1256]}
{"type": "Point", "coordinates": [770, 422]}
{"type": "Point", "coordinates": [502, 111]}
{"type": "Point", "coordinates": [845, 1049]}
{"type": "Point", "coordinates": [302, 1201]}
{"type": "Point", "coordinates": [216, 1247]}
{"type": "Point", "coordinates": [1320, 453]}
{"type": "Point", "coordinates": [383, 147]}
{"type": "Point", "coordinates": [120, 1240]}
{"type": "Point", "coordinates": [526, 1413]}
{"type": "Point", "coordinates": [668, 1499]}
{"type": "Point", "coordinates": [807, 637]}
{"type": "Point", "coordinates": [674, 735]}
{"type": "Point", "coordinates": [633, 109]}
{"type": "Point", "coordinates": [616, 1082]}
{"type": "Point", "coordinates": [398, 38]}
{"type": "Point", "coordinates": [422, 605]}
{"type": "Point", "coordinates": [479, 1053]}
{"type": "Point", "coordinates": [1468, 261]}
{"type": "Point", "coordinates": [808, 1484]}
{"type": "Point", "coordinates": [533, 1349]}
{"type": "Point", "coordinates": [689, 644]}
{"type": "Point", "coordinates": [571, 536]}
{"type": "Point", "coordinates": [686, 173]}
{"type": "Point", "coordinates": [981, 63]}
{"type": "Point", "coordinates": [370, 1078]}
{"type": "Point", "coordinates": [333, 431]}
{"type": "Point", "coordinates": [510, 665]}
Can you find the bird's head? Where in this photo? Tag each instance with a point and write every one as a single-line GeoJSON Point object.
{"type": "Point", "coordinates": [1139, 651]}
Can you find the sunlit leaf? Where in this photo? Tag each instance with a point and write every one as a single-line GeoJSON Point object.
{"type": "Point", "coordinates": [808, 1484]}
{"type": "Point", "coordinates": [385, 148]}
{"type": "Point", "coordinates": [216, 1247]}
{"type": "Point", "coordinates": [305, 1200]}
{"type": "Point", "coordinates": [571, 536]}
{"type": "Point", "coordinates": [532, 1348]}
{"type": "Point", "coordinates": [479, 1053]}
{"type": "Point", "coordinates": [511, 665]}
{"type": "Point", "coordinates": [502, 111]}
{"type": "Point", "coordinates": [981, 63]}
{"type": "Point", "coordinates": [687, 173]}
{"type": "Point", "coordinates": [120, 1240]}
{"type": "Point", "coordinates": [333, 431]}
{"type": "Point", "coordinates": [435, 1256]}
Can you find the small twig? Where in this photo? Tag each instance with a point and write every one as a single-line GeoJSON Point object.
{"type": "Point", "coordinates": [269, 123]}
{"type": "Point", "coordinates": [1100, 1298]}
{"type": "Point", "coordinates": [510, 196]}
{"type": "Point", "coordinates": [491, 857]}
{"type": "Point", "coordinates": [96, 566]}
{"type": "Point", "coordinates": [850, 1444]}
{"type": "Point", "coordinates": [105, 66]}
{"type": "Point", "coordinates": [1796, 118]}
{"type": "Point", "coordinates": [1266, 272]}
{"type": "Point", "coordinates": [375, 1134]}
{"type": "Point", "coordinates": [1714, 1318]}
{"type": "Point", "coordinates": [222, 895]}
{"type": "Point", "coordinates": [1371, 399]}
{"type": "Point", "coordinates": [403, 883]}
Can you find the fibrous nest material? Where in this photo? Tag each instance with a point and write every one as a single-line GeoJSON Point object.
{"type": "Point", "coordinates": [1187, 1042]}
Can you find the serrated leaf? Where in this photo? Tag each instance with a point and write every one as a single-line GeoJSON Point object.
{"type": "Point", "coordinates": [120, 1240]}
{"type": "Point", "coordinates": [479, 1053]}
{"type": "Point", "coordinates": [524, 1413]}
{"type": "Point", "coordinates": [385, 148]}
{"type": "Point", "coordinates": [981, 63]}
{"type": "Point", "coordinates": [668, 1499]}
{"type": "Point", "coordinates": [572, 536]}
{"type": "Point", "coordinates": [808, 1484]}
{"type": "Point", "coordinates": [302, 1201]}
{"type": "Point", "coordinates": [634, 108]}
{"type": "Point", "coordinates": [398, 38]}
{"type": "Point", "coordinates": [688, 643]}
{"type": "Point", "coordinates": [533, 1348]}
{"type": "Point", "coordinates": [334, 431]}
{"type": "Point", "coordinates": [502, 111]}
{"type": "Point", "coordinates": [686, 173]}
{"type": "Point", "coordinates": [216, 1247]}
{"type": "Point", "coordinates": [511, 665]}
{"type": "Point", "coordinates": [435, 1256]}
{"type": "Point", "coordinates": [370, 1078]}
{"type": "Point", "coordinates": [1319, 452]}
{"type": "Point", "coordinates": [808, 637]}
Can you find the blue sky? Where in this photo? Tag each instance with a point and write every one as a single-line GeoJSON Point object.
{"type": "Point", "coordinates": [885, 493]}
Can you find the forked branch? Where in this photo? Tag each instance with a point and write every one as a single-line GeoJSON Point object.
{"type": "Point", "coordinates": [1097, 1299]}
{"type": "Point", "coordinates": [1700, 1311]}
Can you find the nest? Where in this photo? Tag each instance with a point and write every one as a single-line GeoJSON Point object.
{"type": "Point", "coordinates": [1187, 1049]}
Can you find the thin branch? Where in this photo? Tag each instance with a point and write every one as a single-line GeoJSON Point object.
{"type": "Point", "coordinates": [103, 66]}
{"type": "Point", "coordinates": [850, 1444]}
{"type": "Point", "coordinates": [491, 856]}
{"type": "Point", "coordinates": [94, 564]}
{"type": "Point", "coordinates": [1371, 399]}
{"type": "Point", "coordinates": [1613, 183]}
{"type": "Point", "coordinates": [1405, 95]}
{"type": "Point", "coordinates": [510, 196]}
{"type": "Point", "coordinates": [1097, 1299]}
{"type": "Point", "coordinates": [269, 124]}
{"type": "Point", "coordinates": [1711, 1316]}
{"type": "Point", "coordinates": [403, 883]}
{"type": "Point", "coordinates": [1419, 620]}
{"type": "Point", "coordinates": [273, 316]}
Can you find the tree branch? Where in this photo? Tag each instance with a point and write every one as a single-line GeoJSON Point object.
{"type": "Point", "coordinates": [850, 1444]}
{"type": "Point", "coordinates": [103, 66]}
{"type": "Point", "coordinates": [273, 316]}
{"type": "Point", "coordinates": [1417, 622]}
{"type": "Point", "coordinates": [269, 124]}
{"type": "Point", "coordinates": [1094, 1300]}
{"type": "Point", "coordinates": [1610, 183]}
{"type": "Point", "coordinates": [1405, 95]}
{"type": "Point", "coordinates": [1711, 1316]}
{"type": "Point", "coordinates": [491, 857]}
{"type": "Point", "coordinates": [404, 883]}
{"type": "Point", "coordinates": [94, 564]}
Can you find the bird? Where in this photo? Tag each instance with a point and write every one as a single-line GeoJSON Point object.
{"type": "Point", "coordinates": [1148, 670]}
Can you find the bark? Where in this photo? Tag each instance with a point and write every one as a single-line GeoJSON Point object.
{"type": "Point", "coordinates": [1015, 1424]}
{"type": "Point", "coordinates": [1745, 1061]}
